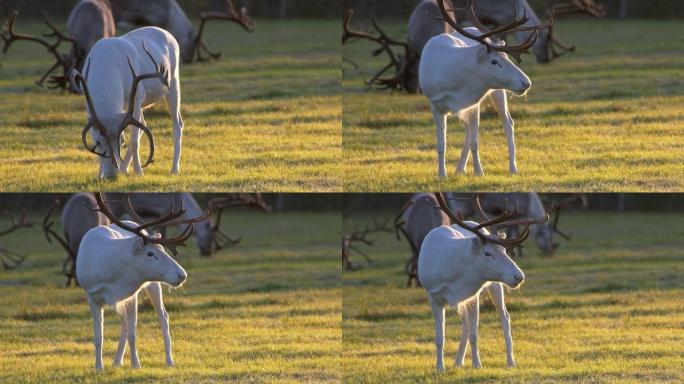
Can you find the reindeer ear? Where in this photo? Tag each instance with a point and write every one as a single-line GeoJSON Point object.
{"type": "Point", "coordinates": [482, 53]}
{"type": "Point", "coordinates": [476, 245]}
{"type": "Point", "coordinates": [137, 245]}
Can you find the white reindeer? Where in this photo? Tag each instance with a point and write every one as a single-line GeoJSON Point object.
{"type": "Point", "coordinates": [459, 69]}
{"type": "Point", "coordinates": [115, 263]}
{"type": "Point", "coordinates": [456, 263]}
{"type": "Point", "coordinates": [115, 100]}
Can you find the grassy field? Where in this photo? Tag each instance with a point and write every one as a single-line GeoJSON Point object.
{"type": "Point", "coordinates": [606, 308]}
{"type": "Point", "coordinates": [607, 118]}
{"type": "Point", "coordinates": [268, 310]}
{"type": "Point", "coordinates": [266, 117]}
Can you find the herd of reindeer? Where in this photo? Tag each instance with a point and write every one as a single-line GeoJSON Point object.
{"type": "Point", "coordinates": [463, 245]}
{"type": "Point", "coordinates": [456, 66]}
{"type": "Point", "coordinates": [122, 76]}
{"type": "Point", "coordinates": [117, 246]}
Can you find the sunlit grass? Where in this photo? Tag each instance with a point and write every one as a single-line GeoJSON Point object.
{"type": "Point", "coordinates": [266, 117]}
{"type": "Point", "coordinates": [606, 308]}
{"type": "Point", "coordinates": [268, 310]}
{"type": "Point", "coordinates": [607, 118]}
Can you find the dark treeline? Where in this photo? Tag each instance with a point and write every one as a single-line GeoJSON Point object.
{"type": "Point", "coordinates": [614, 202]}
{"type": "Point", "coordinates": [666, 9]}
{"type": "Point", "coordinates": [40, 202]}
{"type": "Point", "coordinates": [257, 8]}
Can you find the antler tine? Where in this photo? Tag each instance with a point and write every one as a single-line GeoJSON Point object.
{"type": "Point", "coordinates": [14, 224]}
{"type": "Point", "coordinates": [398, 224]}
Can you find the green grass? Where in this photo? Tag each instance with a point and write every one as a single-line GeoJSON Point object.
{"type": "Point", "coordinates": [606, 118]}
{"type": "Point", "coordinates": [268, 310]}
{"type": "Point", "coordinates": [606, 308]}
{"type": "Point", "coordinates": [266, 117]}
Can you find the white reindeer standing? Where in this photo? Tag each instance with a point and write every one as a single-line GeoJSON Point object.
{"type": "Point", "coordinates": [457, 262]}
{"type": "Point", "coordinates": [117, 261]}
{"type": "Point", "coordinates": [116, 95]}
{"type": "Point", "coordinates": [459, 69]}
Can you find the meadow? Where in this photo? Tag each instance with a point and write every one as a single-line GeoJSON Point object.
{"type": "Point", "coordinates": [267, 310]}
{"type": "Point", "coordinates": [606, 308]}
{"type": "Point", "coordinates": [606, 118]}
{"type": "Point", "coordinates": [265, 117]}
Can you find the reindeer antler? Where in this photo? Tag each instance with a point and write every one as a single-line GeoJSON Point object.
{"type": "Point", "coordinates": [69, 264]}
{"type": "Point", "coordinates": [360, 236]}
{"type": "Point", "coordinates": [161, 72]}
{"type": "Point", "coordinates": [241, 18]}
{"type": "Point", "coordinates": [504, 220]}
{"type": "Point", "coordinates": [222, 240]}
{"type": "Point", "coordinates": [400, 63]}
{"type": "Point", "coordinates": [9, 36]}
{"type": "Point", "coordinates": [566, 8]}
{"type": "Point", "coordinates": [512, 27]}
{"type": "Point", "coordinates": [169, 218]}
{"type": "Point", "coordinates": [11, 259]}
{"type": "Point", "coordinates": [556, 208]}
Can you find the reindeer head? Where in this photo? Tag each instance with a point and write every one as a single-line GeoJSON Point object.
{"type": "Point", "coordinates": [147, 253]}
{"type": "Point", "coordinates": [490, 252]}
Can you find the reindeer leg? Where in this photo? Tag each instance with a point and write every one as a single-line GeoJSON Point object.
{"type": "Point", "coordinates": [498, 98]}
{"type": "Point", "coordinates": [496, 292]}
{"type": "Point", "coordinates": [123, 336]}
{"type": "Point", "coordinates": [439, 313]}
{"type": "Point", "coordinates": [440, 131]}
{"type": "Point", "coordinates": [154, 292]}
{"type": "Point", "coordinates": [98, 329]}
{"type": "Point", "coordinates": [173, 101]}
{"type": "Point", "coordinates": [131, 324]}
{"type": "Point", "coordinates": [472, 120]}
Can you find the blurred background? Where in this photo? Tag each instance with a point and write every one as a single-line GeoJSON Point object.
{"type": "Point", "coordinates": [615, 202]}
{"type": "Point", "coordinates": [659, 9]}
{"type": "Point", "coordinates": [279, 202]}
{"type": "Point", "coordinates": [257, 8]}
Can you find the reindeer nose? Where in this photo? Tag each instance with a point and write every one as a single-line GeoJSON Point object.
{"type": "Point", "coordinates": [526, 84]}
{"type": "Point", "coordinates": [182, 275]}
{"type": "Point", "coordinates": [519, 277]}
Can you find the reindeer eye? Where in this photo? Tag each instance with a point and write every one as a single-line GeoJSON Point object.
{"type": "Point", "coordinates": [150, 254]}
{"type": "Point", "coordinates": [495, 62]}
{"type": "Point", "coordinates": [488, 254]}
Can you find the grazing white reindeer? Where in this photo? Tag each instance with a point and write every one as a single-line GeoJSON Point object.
{"type": "Point", "coordinates": [456, 263]}
{"type": "Point", "coordinates": [458, 70]}
{"type": "Point", "coordinates": [116, 95]}
{"type": "Point", "coordinates": [116, 262]}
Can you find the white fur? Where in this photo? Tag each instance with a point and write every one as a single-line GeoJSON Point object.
{"type": "Point", "coordinates": [112, 266]}
{"type": "Point", "coordinates": [109, 81]}
{"type": "Point", "coordinates": [455, 74]}
{"type": "Point", "coordinates": [453, 268]}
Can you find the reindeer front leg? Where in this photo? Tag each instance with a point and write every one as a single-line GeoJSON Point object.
{"type": "Point", "coordinates": [440, 131]}
{"type": "Point", "coordinates": [154, 292]}
{"type": "Point", "coordinates": [98, 329]}
{"type": "Point", "coordinates": [496, 292]}
{"type": "Point", "coordinates": [473, 320]}
{"type": "Point", "coordinates": [439, 312]}
{"type": "Point", "coordinates": [498, 98]}
{"type": "Point", "coordinates": [121, 348]}
{"type": "Point", "coordinates": [173, 100]}
{"type": "Point", "coordinates": [132, 323]}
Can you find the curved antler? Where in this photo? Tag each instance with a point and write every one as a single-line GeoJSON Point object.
{"type": "Point", "coordinates": [162, 73]}
{"type": "Point", "coordinates": [222, 240]}
{"type": "Point", "coordinates": [503, 221]}
{"type": "Point", "coordinates": [400, 63]}
{"type": "Point", "coordinates": [11, 259]}
{"type": "Point", "coordinates": [69, 264]}
{"type": "Point", "coordinates": [139, 230]}
{"type": "Point", "coordinates": [9, 36]}
{"type": "Point", "coordinates": [241, 18]}
{"type": "Point", "coordinates": [511, 27]}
